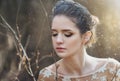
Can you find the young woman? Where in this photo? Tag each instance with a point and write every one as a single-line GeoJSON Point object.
{"type": "Point", "coordinates": [73, 29]}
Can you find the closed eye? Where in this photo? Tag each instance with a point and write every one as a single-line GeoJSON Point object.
{"type": "Point", "coordinates": [54, 33]}
{"type": "Point", "coordinates": [68, 34]}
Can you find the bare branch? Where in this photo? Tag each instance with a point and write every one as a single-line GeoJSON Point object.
{"type": "Point", "coordinates": [15, 36]}
{"type": "Point", "coordinates": [45, 11]}
{"type": "Point", "coordinates": [21, 49]}
{"type": "Point", "coordinates": [28, 40]}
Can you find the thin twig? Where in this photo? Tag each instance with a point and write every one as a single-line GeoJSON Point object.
{"type": "Point", "coordinates": [44, 8]}
{"type": "Point", "coordinates": [18, 10]}
{"type": "Point", "coordinates": [19, 45]}
{"type": "Point", "coordinates": [42, 58]}
{"type": "Point", "coordinates": [42, 25]}
{"type": "Point", "coordinates": [2, 25]}
{"type": "Point", "coordinates": [15, 36]}
{"type": "Point", "coordinates": [18, 32]}
{"type": "Point", "coordinates": [57, 66]}
{"type": "Point", "coordinates": [28, 40]}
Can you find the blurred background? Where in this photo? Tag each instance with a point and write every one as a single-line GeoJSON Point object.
{"type": "Point", "coordinates": [33, 19]}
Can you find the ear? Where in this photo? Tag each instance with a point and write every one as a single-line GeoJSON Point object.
{"type": "Point", "coordinates": [87, 36]}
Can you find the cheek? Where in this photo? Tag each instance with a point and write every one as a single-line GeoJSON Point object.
{"type": "Point", "coordinates": [75, 41]}
{"type": "Point", "coordinates": [53, 42]}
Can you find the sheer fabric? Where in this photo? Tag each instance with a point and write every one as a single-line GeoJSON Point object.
{"type": "Point", "coordinates": [110, 71]}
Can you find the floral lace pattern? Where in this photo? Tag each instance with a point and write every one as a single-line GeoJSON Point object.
{"type": "Point", "coordinates": [109, 72]}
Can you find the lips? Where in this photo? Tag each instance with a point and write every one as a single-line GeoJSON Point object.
{"type": "Point", "coordinates": [60, 49]}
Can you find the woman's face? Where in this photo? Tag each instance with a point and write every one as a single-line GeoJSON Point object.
{"type": "Point", "coordinates": [66, 37]}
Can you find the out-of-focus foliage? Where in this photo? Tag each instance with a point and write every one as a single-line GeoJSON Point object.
{"type": "Point", "coordinates": [33, 19]}
{"type": "Point", "coordinates": [108, 31]}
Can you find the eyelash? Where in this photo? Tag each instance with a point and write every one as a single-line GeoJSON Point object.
{"type": "Point", "coordinates": [66, 35]}
{"type": "Point", "coordinates": [54, 35]}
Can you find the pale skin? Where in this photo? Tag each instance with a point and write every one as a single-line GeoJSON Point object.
{"type": "Point", "coordinates": [69, 44]}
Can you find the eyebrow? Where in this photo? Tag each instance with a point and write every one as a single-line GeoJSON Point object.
{"type": "Point", "coordinates": [64, 30]}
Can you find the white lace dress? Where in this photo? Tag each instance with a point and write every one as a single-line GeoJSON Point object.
{"type": "Point", "coordinates": [110, 71]}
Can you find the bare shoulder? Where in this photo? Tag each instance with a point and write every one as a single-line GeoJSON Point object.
{"type": "Point", "coordinates": [110, 63]}
{"type": "Point", "coordinates": [114, 62]}
{"type": "Point", "coordinates": [110, 66]}
{"type": "Point", "coordinates": [108, 60]}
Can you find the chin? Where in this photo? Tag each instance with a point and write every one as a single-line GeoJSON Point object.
{"type": "Point", "coordinates": [63, 55]}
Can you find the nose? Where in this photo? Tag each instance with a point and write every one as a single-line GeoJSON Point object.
{"type": "Point", "coordinates": [59, 39]}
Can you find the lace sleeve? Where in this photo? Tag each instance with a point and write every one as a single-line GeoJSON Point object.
{"type": "Point", "coordinates": [45, 75]}
{"type": "Point", "coordinates": [117, 74]}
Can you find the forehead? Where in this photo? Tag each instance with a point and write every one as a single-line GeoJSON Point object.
{"type": "Point", "coordinates": [63, 22]}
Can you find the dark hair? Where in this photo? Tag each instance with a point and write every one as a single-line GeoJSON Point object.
{"type": "Point", "coordinates": [78, 14]}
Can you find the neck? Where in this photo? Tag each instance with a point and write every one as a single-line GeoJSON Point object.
{"type": "Point", "coordinates": [75, 64]}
